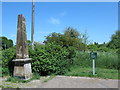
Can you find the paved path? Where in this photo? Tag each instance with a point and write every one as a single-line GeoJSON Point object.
{"type": "Point", "coordinates": [79, 82]}
{"type": "Point", "coordinates": [67, 82]}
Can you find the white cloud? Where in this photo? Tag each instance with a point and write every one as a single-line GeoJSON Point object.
{"type": "Point", "coordinates": [54, 20]}
{"type": "Point", "coordinates": [63, 14]}
{"type": "Point", "coordinates": [44, 32]}
{"type": "Point", "coordinates": [12, 35]}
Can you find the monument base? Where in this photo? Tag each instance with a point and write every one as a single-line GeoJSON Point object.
{"type": "Point", "coordinates": [22, 68]}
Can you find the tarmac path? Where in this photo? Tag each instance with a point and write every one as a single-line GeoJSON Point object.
{"type": "Point", "coordinates": [67, 82]}
{"type": "Point", "coordinates": [79, 82]}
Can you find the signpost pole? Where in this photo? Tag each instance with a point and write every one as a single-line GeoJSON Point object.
{"type": "Point", "coordinates": [93, 67]}
{"type": "Point", "coordinates": [93, 56]}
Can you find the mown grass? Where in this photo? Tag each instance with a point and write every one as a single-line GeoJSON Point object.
{"type": "Point", "coordinates": [87, 72]}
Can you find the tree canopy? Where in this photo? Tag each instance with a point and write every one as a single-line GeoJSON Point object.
{"type": "Point", "coordinates": [115, 40]}
{"type": "Point", "coordinates": [70, 38]}
{"type": "Point", "coordinates": [71, 32]}
{"type": "Point", "coordinates": [5, 42]}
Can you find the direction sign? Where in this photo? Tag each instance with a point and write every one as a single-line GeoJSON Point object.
{"type": "Point", "coordinates": [93, 55]}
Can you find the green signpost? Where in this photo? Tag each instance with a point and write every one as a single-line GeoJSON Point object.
{"type": "Point", "coordinates": [93, 56]}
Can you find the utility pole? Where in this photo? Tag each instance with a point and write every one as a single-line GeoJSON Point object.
{"type": "Point", "coordinates": [32, 34]}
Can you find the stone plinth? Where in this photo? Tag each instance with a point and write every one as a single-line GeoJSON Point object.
{"type": "Point", "coordinates": [22, 68]}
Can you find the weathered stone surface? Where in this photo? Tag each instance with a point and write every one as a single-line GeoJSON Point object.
{"type": "Point", "coordinates": [21, 46]}
{"type": "Point", "coordinates": [22, 67]}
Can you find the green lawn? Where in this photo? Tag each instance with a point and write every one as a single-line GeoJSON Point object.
{"type": "Point", "coordinates": [87, 72]}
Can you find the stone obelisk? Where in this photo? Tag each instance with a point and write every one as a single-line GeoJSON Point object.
{"type": "Point", "coordinates": [22, 67]}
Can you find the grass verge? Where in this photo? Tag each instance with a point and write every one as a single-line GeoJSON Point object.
{"type": "Point", "coordinates": [17, 80]}
{"type": "Point", "coordinates": [49, 78]}
{"type": "Point", "coordinates": [1, 86]}
{"type": "Point", "coordinates": [87, 72]}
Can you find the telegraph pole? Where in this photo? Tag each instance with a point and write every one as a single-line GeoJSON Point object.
{"type": "Point", "coordinates": [32, 34]}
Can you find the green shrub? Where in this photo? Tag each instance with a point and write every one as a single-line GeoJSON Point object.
{"type": "Point", "coordinates": [7, 56]}
{"type": "Point", "coordinates": [118, 53]}
{"type": "Point", "coordinates": [107, 60]}
{"type": "Point", "coordinates": [46, 59]}
{"type": "Point", "coordinates": [51, 58]}
{"type": "Point", "coordinates": [55, 59]}
{"type": "Point", "coordinates": [82, 59]}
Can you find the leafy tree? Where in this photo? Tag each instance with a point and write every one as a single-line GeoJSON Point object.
{"type": "Point", "coordinates": [92, 47]}
{"type": "Point", "coordinates": [53, 37]}
{"type": "Point", "coordinates": [29, 42]}
{"type": "Point", "coordinates": [71, 32]}
{"type": "Point", "coordinates": [98, 47]}
{"type": "Point", "coordinates": [68, 39]}
{"type": "Point", "coordinates": [5, 42]}
{"type": "Point", "coordinates": [96, 43]}
{"type": "Point", "coordinates": [115, 40]}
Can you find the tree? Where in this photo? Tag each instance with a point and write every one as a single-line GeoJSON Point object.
{"type": "Point", "coordinates": [71, 32]}
{"type": "Point", "coordinates": [6, 43]}
{"type": "Point", "coordinates": [29, 42]}
{"type": "Point", "coordinates": [70, 38]}
{"type": "Point", "coordinates": [53, 37]}
{"type": "Point", "coordinates": [92, 47]}
{"type": "Point", "coordinates": [84, 37]}
{"type": "Point", "coordinates": [115, 40]}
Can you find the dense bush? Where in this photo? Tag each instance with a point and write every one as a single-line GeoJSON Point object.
{"type": "Point", "coordinates": [107, 60]}
{"type": "Point", "coordinates": [46, 59]}
{"type": "Point", "coordinates": [66, 40]}
{"type": "Point", "coordinates": [51, 58]}
{"type": "Point", "coordinates": [7, 56]}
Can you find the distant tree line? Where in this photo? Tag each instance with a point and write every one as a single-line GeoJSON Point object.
{"type": "Point", "coordinates": [114, 43]}
{"type": "Point", "coordinates": [5, 43]}
{"type": "Point", "coordinates": [71, 37]}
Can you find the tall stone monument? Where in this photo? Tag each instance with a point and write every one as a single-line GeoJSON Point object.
{"type": "Point", "coordinates": [22, 66]}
